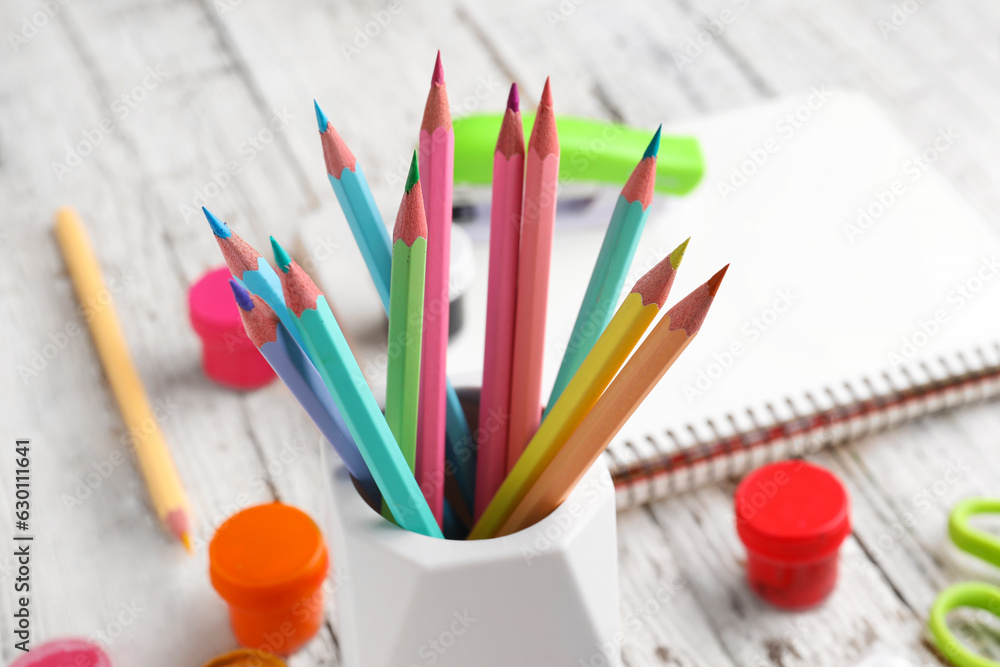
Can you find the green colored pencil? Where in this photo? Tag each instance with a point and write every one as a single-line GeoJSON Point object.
{"type": "Point", "coordinates": [406, 308]}
{"type": "Point", "coordinates": [325, 343]}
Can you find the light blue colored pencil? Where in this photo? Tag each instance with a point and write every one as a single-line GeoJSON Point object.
{"type": "Point", "coordinates": [372, 236]}
{"type": "Point", "coordinates": [611, 268]}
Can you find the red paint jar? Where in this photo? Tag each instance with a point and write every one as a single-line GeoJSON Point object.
{"type": "Point", "coordinates": [228, 357]}
{"type": "Point", "coordinates": [792, 517]}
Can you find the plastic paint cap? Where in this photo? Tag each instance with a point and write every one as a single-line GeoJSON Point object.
{"type": "Point", "coordinates": [246, 658]}
{"type": "Point", "coordinates": [792, 517]}
{"type": "Point", "coordinates": [64, 653]}
{"type": "Point", "coordinates": [229, 357]}
{"type": "Point", "coordinates": [269, 563]}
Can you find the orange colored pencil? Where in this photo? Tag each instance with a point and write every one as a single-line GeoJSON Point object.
{"type": "Point", "coordinates": [538, 216]}
{"type": "Point", "coordinates": [664, 344]}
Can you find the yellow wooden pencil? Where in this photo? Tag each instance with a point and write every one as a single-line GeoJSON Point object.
{"type": "Point", "coordinates": [595, 373]}
{"type": "Point", "coordinates": [165, 490]}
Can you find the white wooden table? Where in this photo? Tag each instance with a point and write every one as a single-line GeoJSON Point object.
{"type": "Point", "coordinates": [138, 111]}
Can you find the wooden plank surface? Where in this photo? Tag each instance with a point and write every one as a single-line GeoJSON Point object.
{"type": "Point", "coordinates": [225, 118]}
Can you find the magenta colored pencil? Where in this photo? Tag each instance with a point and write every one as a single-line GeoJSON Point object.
{"type": "Point", "coordinates": [538, 217]}
{"type": "Point", "coordinates": [505, 236]}
{"type": "Point", "coordinates": [437, 163]}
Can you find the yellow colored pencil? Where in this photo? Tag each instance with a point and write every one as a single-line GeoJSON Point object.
{"type": "Point", "coordinates": [664, 344]}
{"type": "Point", "coordinates": [595, 373]}
{"type": "Point", "coordinates": [165, 490]}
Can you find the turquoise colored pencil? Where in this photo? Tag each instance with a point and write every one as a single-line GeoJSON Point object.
{"type": "Point", "coordinates": [335, 362]}
{"type": "Point", "coordinates": [611, 268]}
{"type": "Point", "coordinates": [251, 270]}
{"type": "Point", "coordinates": [366, 224]}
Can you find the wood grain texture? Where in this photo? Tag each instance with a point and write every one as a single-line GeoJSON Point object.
{"type": "Point", "coordinates": [226, 120]}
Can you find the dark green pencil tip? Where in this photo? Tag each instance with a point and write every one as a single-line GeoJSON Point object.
{"type": "Point", "coordinates": [654, 145]}
{"type": "Point", "coordinates": [414, 175]}
{"type": "Point", "coordinates": [281, 257]}
{"type": "Point", "coordinates": [321, 118]}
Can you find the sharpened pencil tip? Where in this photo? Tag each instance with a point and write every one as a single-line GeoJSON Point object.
{"type": "Point", "coordinates": [188, 544]}
{"type": "Point", "coordinates": [654, 145]}
{"type": "Point", "coordinates": [714, 282]}
{"type": "Point", "coordinates": [281, 257]}
{"type": "Point", "coordinates": [513, 99]}
{"type": "Point", "coordinates": [438, 78]}
{"type": "Point", "coordinates": [413, 177]}
{"type": "Point", "coordinates": [547, 93]}
{"type": "Point", "coordinates": [321, 118]}
{"type": "Point", "coordinates": [678, 254]}
{"type": "Point", "coordinates": [242, 296]}
{"type": "Point", "coordinates": [220, 228]}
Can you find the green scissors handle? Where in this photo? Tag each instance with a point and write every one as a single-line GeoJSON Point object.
{"type": "Point", "coordinates": [969, 594]}
{"type": "Point", "coordinates": [972, 540]}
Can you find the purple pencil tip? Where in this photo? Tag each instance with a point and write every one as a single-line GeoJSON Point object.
{"type": "Point", "coordinates": [242, 296]}
{"type": "Point", "coordinates": [438, 77]}
{"type": "Point", "coordinates": [513, 99]}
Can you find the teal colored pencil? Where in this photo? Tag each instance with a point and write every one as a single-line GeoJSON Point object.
{"type": "Point", "coordinates": [613, 262]}
{"type": "Point", "coordinates": [340, 372]}
{"type": "Point", "coordinates": [366, 224]}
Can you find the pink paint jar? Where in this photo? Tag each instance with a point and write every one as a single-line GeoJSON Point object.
{"type": "Point", "coordinates": [228, 356]}
{"type": "Point", "coordinates": [792, 517]}
{"type": "Point", "coordinates": [64, 653]}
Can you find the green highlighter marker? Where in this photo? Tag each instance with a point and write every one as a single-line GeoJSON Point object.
{"type": "Point", "coordinates": [593, 151]}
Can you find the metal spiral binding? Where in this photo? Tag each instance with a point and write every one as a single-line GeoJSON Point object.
{"type": "Point", "coordinates": [725, 456]}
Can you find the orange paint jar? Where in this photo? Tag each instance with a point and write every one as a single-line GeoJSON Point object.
{"type": "Point", "coordinates": [268, 563]}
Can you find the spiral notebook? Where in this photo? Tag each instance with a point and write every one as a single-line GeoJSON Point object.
{"type": "Point", "coordinates": [863, 291]}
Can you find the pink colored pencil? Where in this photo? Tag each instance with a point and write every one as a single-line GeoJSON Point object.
{"type": "Point", "coordinates": [437, 162]}
{"type": "Point", "coordinates": [538, 216]}
{"type": "Point", "coordinates": [505, 235]}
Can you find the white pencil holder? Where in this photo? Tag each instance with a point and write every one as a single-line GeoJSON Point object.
{"type": "Point", "coordinates": [547, 595]}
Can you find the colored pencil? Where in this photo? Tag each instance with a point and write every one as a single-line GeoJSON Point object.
{"type": "Point", "coordinates": [251, 270]}
{"type": "Point", "coordinates": [340, 372]}
{"type": "Point", "coordinates": [505, 235]}
{"type": "Point", "coordinates": [356, 201]}
{"type": "Point", "coordinates": [437, 161]}
{"type": "Point", "coordinates": [406, 305]}
{"type": "Point", "coordinates": [664, 344]}
{"type": "Point", "coordinates": [460, 453]}
{"type": "Point", "coordinates": [164, 485]}
{"type": "Point", "coordinates": [538, 215]}
{"type": "Point", "coordinates": [291, 364]}
{"type": "Point", "coordinates": [613, 262]}
{"type": "Point", "coordinates": [607, 356]}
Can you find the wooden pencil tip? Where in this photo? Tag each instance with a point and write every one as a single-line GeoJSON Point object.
{"type": "Point", "coordinates": [678, 254]}
{"type": "Point", "coordinates": [655, 285]}
{"type": "Point", "coordinates": [438, 77]}
{"type": "Point", "coordinates": [547, 93]}
{"type": "Point", "coordinates": [321, 118]}
{"type": "Point", "coordinates": [281, 257]}
{"type": "Point", "coordinates": [513, 99]}
{"type": "Point", "coordinates": [714, 282]}
{"type": "Point", "coordinates": [241, 295]}
{"type": "Point", "coordinates": [220, 228]}
{"type": "Point", "coordinates": [413, 177]}
{"type": "Point", "coordinates": [654, 145]}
